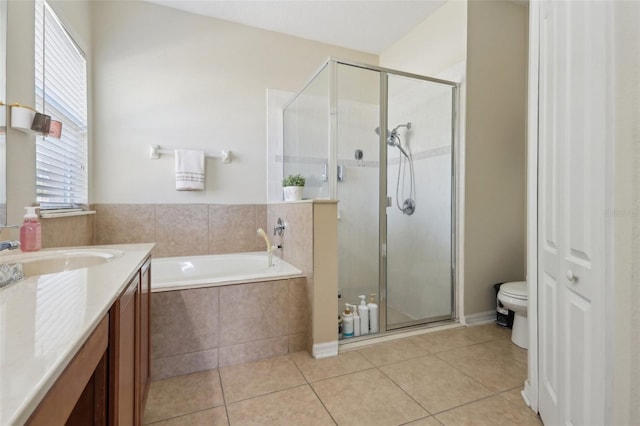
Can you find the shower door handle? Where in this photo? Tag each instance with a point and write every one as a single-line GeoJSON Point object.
{"type": "Point", "coordinates": [325, 173]}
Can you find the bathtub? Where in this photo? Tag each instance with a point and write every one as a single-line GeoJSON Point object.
{"type": "Point", "coordinates": [179, 273]}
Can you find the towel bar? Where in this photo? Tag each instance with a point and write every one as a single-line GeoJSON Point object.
{"type": "Point", "coordinates": [155, 151]}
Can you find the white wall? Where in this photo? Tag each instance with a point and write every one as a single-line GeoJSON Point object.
{"type": "Point", "coordinates": [435, 45]}
{"type": "Point", "coordinates": [625, 308]}
{"type": "Point", "coordinates": [167, 77]}
{"type": "Point", "coordinates": [20, 88]}
{"type": "Point", "coordinates": [494, 229]}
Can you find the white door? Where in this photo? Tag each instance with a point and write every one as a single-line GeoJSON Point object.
{"type": "Point", "coordinates": [574, 105]}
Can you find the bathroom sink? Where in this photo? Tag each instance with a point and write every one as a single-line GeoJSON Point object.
{"type": "Point", "coordinates": [50, 262]}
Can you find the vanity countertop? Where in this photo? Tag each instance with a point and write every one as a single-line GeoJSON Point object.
{"type": "Point", "coordinates": [44, 320]}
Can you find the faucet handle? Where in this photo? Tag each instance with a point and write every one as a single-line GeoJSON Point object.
{"type": "Point", "coordinates": [279, 228]}
{"type": "Point", "coordinates": [9, 245]}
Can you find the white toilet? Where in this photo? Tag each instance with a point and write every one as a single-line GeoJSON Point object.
{"type": "Point", "coordinates": [514, 296]}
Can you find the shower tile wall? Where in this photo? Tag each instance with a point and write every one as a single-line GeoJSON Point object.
{"type": "Point", "coordinates": [182, 229]}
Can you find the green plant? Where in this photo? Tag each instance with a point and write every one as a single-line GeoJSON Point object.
{"type": "Point", "coordinates": [293, 180]}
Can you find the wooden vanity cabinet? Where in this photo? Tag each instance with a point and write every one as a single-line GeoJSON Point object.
{"type": "Point", "coordinates": [107, 381]}
{"type": "Point", "coordinates": [144, 376]}
{"type": "Point", "coordinates": [129, 350]}
{"type": "Point", "coordinates": [79, 396]}
{"type": "Point", "coordinates": [123, 353]}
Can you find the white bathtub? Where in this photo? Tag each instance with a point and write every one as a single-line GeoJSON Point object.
{"type": "Point", "coordinates": [179, 273]}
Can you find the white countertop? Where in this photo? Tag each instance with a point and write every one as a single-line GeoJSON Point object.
{"type": "Point", "coordinates": [44, 320]}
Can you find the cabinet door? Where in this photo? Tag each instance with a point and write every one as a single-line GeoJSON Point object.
{"type": "Point", "coordinates": [124, 353]}
{"type": "Point", "coordinates": [145, 334]}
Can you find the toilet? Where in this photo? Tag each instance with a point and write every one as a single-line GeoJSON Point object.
{"type": "Point", "coordinates": [514, 296]}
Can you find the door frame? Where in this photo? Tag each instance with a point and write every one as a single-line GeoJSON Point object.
{"type": "Point", "coordinates": [530, 392]}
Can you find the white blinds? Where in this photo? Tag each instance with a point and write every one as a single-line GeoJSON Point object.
{"type": "Point", "coordinates": [61, 92]}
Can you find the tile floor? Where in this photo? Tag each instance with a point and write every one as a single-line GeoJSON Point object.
{"type": "Point", "coordinates": [468, 376]}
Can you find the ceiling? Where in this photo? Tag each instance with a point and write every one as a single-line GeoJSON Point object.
{"type": "Point", "coordinates": [365, 25]}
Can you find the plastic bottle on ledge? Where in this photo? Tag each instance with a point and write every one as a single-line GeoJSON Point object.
{"type": "Point", "coordinates": [30, 231]}
{"type": "Point", "coordinates": [356, 321]}
{"type": "Point", "coordinates": [363, 311]}
{"type": "Point", "coordinates": [347, 322]}
{"type": "Point", "coordinates": [373, 314]}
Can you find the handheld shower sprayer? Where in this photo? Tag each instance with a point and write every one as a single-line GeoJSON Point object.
{"type": "Point", "coordinates": [393, 140]}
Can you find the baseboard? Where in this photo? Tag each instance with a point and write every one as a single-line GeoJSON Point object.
{"type": "Point", "coordinates": [479, 318]}
{"type": "Point", "coordinates": [325, 350]}
{"type": "Point", "coordinates": [525, 393]}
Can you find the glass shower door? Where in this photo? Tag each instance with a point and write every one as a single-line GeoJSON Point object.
{"type": "Point", "coordinates": [358, 193]}
{"type": "Point", "coordinates": [419, 284]}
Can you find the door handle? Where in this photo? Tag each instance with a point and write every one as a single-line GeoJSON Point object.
{"type": "Point", "coordinates": [571, 277]}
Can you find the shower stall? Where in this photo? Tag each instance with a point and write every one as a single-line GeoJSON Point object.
{"type": "Point", "coordinates": [381, 142]}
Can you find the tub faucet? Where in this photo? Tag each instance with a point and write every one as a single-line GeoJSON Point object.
{"type": "Point", "coordinates": [9, 245]}
{"type": "Point", "coordinates": [270, 248]}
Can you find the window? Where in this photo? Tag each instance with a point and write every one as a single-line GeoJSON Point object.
{"type": "Point", "coordinates": [61, 92]}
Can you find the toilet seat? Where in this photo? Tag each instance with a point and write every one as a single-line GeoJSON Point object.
{"type": "Point", "coordinates": [515, 290]}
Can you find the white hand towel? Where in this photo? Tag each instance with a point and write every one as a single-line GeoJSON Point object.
{"type": "Point", "coordinates": [189, 170]}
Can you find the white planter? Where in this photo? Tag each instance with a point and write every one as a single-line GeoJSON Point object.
{"type": "Point", "coordinates": [293, 193]}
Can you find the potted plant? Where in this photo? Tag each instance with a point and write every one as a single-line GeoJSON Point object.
{"type": "Point", "coordinates": [293, 186]}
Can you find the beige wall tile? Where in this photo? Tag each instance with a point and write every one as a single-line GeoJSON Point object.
{"type": "Point", "coordinates": [253, 351]}
{"type": "Point", "coordinates": [298, 306]}
{"type": "Point", "coordinates": [297, 240]}
{"type": "Point", "coordinates": [124, 223]}
{"type": "Point", "coordinates": [182, 230]}
{"type": "Point", "coordinates": [261, 222]}
{"type": "Point", "coordinates": [250, 312]}
{"type": "Point", "coordinates": [70, 231]}
{"type": "Point", "coordinates": [298, 342]}
{"type": "Point", "coordinates": [178, 365]}
{"type": "Point", "coordinates": [184, 321]}
{"type": "Point", "coordinates": [232, 228]}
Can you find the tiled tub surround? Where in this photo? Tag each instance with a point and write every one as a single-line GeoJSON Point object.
{"type": "Point", "coordinates": [309, 242]}
{"type": "Point", "coordinates": [204, 328]}
{"type": "Point", "coordinates": [183, 229]}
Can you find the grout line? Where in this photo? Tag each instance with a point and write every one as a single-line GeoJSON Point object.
{"type": "Point", "coordinates": [322, 402]}
{"type": "Point", "coordinates": [406, 393]}
{"type": "Point", "coordinates": [269, 393]}
{"type": "Point", "coordinates": [224, 398]}
{"type": "Point", "coordinates": [183, 415]}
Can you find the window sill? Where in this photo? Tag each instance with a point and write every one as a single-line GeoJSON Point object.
{"type": "Point", "coordinates": [53, 215]}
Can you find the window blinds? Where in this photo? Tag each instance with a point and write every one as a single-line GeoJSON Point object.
{"type": "Point", "coordinates": [61, 92]}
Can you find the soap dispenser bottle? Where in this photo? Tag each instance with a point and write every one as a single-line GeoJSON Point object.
{"type": "Point", "coordinates": [373, 314]}
{"type": "Point", "coordinates": [30, 234]}
{"type": "Point", "coordinates": [356, 321]}
{"type": "Point", "coordinates": [347, 322]}
{"type": "Point", "coordinates": [363, 311]}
